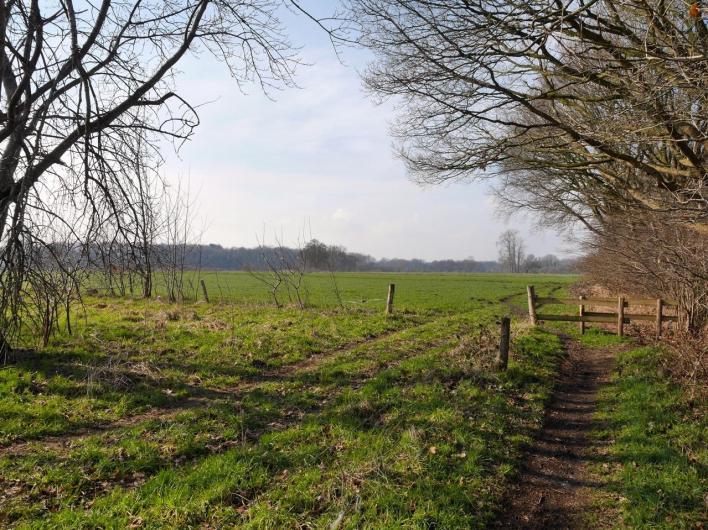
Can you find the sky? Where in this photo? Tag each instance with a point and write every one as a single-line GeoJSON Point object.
{"type": "Point", "coordinates": [317, 161]}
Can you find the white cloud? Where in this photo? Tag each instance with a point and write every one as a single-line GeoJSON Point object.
{"type": "Point", "coordinates": [320, 157]}
{"type": "Point", "coordinates": [341, 215]}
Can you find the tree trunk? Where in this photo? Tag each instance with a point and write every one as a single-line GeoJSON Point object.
{"type": "Point", "coordinates": [5, 350]}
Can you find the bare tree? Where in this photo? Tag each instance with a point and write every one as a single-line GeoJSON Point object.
{"type": "Point", "coordinates": [584, 112]}
{"type": "Point", "coordinates": [332, 255]}
{"type": "Point", "coordinates": [177, 234]}
{"type": "Point", "coordinates": [272, 277]}
{"type": "Point", "coordinates": [511, 251]}
{"type": "Point", "coordinates": [611, 94]}
{"type": "Point", "coordinates": [284, 269]}
{"type": "Point", "coordinates": [54, 268]}
{"type": "Point", "coordinates": [80, 83]}
{"type": "Point", "coordinates": [146, 222]}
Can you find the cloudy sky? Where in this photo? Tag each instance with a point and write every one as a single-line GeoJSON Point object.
{"type": "Point", "coordinates": [319, 158]}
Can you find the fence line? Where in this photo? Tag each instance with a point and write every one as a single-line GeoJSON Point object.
{"type": "Point", "coordinates": [619, 317]}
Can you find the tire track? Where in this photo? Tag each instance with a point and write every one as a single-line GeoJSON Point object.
{"type": "Point", "coordinates": [251, 436]}
{"type": "Point", "coordinates": [209, 396]}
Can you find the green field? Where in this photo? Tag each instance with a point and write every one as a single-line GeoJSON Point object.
{"type": "Point", "coordinates": [414, 291]}
{"type": "Point", "coordinates": [236, 413]}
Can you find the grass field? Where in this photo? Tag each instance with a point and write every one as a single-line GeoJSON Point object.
{"type": "Point", "coordinates": [414, 292]}
{"type": "Point", "coordinates": [236, 413]}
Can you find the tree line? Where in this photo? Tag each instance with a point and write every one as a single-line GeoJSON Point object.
{"type": "Point", "coordinates": [112, 259]}
{"type": "Point", "coordinates": [319, 256]}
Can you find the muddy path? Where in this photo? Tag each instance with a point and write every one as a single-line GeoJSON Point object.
{"type": "Point", "coordinates": [557, 487]}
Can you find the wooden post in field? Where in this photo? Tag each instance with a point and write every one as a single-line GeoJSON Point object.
{"type": "Point", "coordinates": [503, 356]}
{"type": "Point", "coordinates": [620, 316]}
{"type": "Point", "coordinates": [389, 298]}
{"type": "Point", "coordinates": [659, 315]}
{"type": "Point", "coordinates": [581, 312]}
{"type": "Point", "coordinates": [532, 303]}
{"type": "Point", "coordinates": [204, 291]}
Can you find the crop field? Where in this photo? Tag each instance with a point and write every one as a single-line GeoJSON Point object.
{"type": "Point", "coordinates": [239, 414]}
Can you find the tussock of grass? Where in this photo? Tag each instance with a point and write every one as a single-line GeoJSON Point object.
{"type": "Point", "coordinates": [659, 441]}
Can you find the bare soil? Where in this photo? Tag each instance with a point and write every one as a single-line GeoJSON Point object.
{"type": "Point", "coordinates": [557, 487]}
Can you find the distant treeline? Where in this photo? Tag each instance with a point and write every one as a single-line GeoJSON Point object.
{"type": "Point", "coordinates": [318, 256]}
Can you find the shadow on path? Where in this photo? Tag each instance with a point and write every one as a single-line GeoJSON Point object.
{"type": "Point", "coordinates": [555, 487]}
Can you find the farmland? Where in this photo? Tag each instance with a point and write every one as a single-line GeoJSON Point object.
{"type": "Point", "coordinates": [414, 292]}
{"type": "Point", "coordinates": [238, 413]}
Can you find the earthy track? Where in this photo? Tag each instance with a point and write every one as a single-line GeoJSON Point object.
{"type": "Point", "coordinates": [556, 487]}
{"type": "Point", "coordinates": [165, 413]}
{"type": "Point", "coordinates": [64, 443]}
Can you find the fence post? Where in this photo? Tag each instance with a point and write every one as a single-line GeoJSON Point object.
{"type": "Point", "coordinates": [204, 291]}
{"type": "Point", "coordinates": [389, 298]}
{"type": "Point", "coordinates": [620, 316]}
{"type": "Point", "coordinates": [505, 335]}
{"type": "Point", "coordinates": [532, 303]}
{"type": "Point", "coordinates": [659, 315]}
{"type": "Point", "coordinates": [581, 312]}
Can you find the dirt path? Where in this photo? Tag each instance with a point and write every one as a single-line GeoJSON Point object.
{"type": "Point", "coordinates": [556, 488]}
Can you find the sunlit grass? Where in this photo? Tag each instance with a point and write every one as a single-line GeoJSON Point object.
{"type": "Point", "coordinates": [242, 414]}
{"type": "Point", "coordinates": [659, 441]}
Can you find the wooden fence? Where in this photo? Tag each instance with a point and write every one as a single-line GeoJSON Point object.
{"type": "Point", "coordinates": [620, 316]}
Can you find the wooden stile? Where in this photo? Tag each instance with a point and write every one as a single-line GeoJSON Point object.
{"type": "Point", "coordinates": [581, 313]}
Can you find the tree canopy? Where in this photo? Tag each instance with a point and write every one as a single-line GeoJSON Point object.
{"type": "Point", "coordinates": [591, 112]}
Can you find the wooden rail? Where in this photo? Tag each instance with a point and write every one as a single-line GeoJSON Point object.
{"type": "Point", "coordinates": [619, 316]}
{"type": "Point", "coordinates": [600, 301]}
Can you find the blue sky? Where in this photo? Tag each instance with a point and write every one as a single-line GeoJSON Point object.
{"type": "Point", "coordinates": [320, 157]}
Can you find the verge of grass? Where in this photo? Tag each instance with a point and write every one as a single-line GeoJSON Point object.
{"type": "Point", "coordinates": [658, 440]}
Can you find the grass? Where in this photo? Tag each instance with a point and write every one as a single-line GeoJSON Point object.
{"type": "Point", "coordinates": [239, 414]}
{"type": "Point", "coordinates": [414, 291]}
{"type": "Point", "coordinates": [658, 441]}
